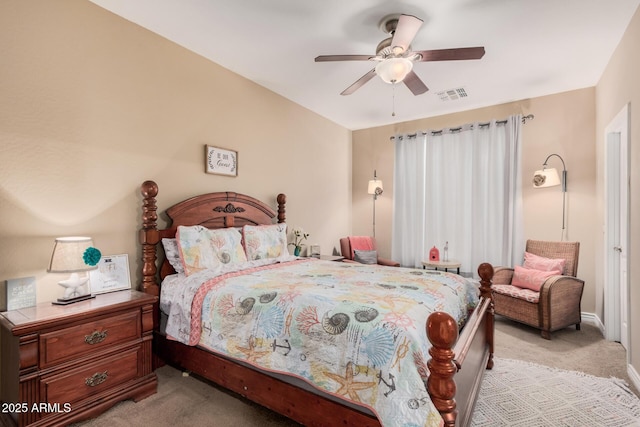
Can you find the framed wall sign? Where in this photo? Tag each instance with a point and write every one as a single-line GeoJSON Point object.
{"type": "Point", "coordinates": [21, 293]}
{"type": "Point", "coordinates": [221, 161]}
{"type": "Point", "coordinates": [112, 274]}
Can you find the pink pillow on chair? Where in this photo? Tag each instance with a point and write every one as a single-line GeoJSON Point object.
{"type": "Point", "coordinates": [537, 262]}
{"type": "Point", "coordinates": [530, 278]}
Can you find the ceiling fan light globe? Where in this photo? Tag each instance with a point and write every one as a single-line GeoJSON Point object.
{"type": "Point", "coordinates": [394, 70]}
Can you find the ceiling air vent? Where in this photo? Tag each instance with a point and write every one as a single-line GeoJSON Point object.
{"type": "Point", "coordinates": [452, 94]}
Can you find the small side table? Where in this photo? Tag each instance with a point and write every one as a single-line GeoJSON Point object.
{"type": "Point", "coordinates": [446, 265]}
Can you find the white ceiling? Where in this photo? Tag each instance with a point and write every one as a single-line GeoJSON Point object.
{"type": "Point", "coordinates": [533, 48]}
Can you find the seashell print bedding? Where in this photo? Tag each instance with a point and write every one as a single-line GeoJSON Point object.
{"type": "Point", "coordinates": [354, 331]}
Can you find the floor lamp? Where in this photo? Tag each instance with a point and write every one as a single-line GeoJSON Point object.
{"type": "Point", "coordinates": [549, 178]}
{"type": "Point", "coordinates": [375, 188]}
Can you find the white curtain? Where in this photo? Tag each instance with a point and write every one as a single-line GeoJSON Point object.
{"type": "Point", "coordinates": [461, 186]}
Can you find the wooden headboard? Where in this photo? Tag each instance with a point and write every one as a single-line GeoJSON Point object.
{"type": "Point", "coordinates": [212, 210]}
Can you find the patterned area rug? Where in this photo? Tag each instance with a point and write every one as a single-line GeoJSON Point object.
{"type": "Point", "coordinates": [523, 394]}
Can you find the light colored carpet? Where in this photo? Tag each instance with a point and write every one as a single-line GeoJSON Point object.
{"type": "Point", "coordinates": [524, 394]}
{"type": "Point", "coordinates": [182, 401]}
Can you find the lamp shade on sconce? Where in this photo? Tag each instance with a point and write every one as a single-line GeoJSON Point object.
{"type": "Point", "coordinates": [546, 178]}
{"type": "Point", "coordinates": [394, 70]}
{"type": "Point", "coordinates": [375, 187]}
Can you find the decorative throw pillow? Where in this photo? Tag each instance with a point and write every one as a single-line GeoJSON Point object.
{"type": "Point", "coordinates": [172, 254]}
{"type": "Point", "coordinates": [537, 262]}
{"type": "Point", "coordinates": [528, 278]}
{"type": "Point", "coordinates": [366, 257]}
{"type": "Point", "coordinates": [202, 248]}
{"type": "Point", "coordinates": [265, 241]}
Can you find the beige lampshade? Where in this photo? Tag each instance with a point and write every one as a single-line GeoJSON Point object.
{"type": "Point", "coordinates": [546, 178]}
{"type": "Point", "coordinates": [67, 256]}
{"type": "Point", "coordinates": [373, 185]}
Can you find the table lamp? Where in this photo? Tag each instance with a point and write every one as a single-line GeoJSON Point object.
{"type": "Point", "coordinates": [74, 255]}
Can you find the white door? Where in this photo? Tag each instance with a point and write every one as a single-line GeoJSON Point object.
{"type": "Point", "coordinates": [616, 304]}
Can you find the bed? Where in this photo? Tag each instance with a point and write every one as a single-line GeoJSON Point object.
{"type": "Point", "coordinates": [449, 380]}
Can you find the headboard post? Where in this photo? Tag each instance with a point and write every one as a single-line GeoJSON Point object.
{"type": "Point", "coordinates": [282, 200]}
{"type": "Point", "coordinates": [149, 238]}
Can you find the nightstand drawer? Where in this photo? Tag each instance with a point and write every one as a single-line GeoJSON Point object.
{"type": "Point", "coordinates": [77, 384]}
{"type": "Point", "coordinates": [76, 341]}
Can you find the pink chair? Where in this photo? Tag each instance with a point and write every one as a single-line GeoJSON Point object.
{"type": "Point", "coordinates": [366, 244]}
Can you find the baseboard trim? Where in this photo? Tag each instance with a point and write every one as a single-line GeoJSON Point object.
{"type": "Point", "coordinates": [593, 319]}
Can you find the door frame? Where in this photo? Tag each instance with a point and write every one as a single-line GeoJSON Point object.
{"type": "Point", "coordinates": [616, 299]}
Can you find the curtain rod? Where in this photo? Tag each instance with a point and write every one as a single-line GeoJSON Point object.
{"type": "Point", "coordinates": [458, 129]}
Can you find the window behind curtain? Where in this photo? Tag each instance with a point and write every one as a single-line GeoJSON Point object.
{"type": "Point", "coordinates": [459, 186]}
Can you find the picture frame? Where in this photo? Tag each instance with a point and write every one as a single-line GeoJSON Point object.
{"type": "Point", "coordinates": [221, 161]}
{"type": "Point", "coordinates": [111, 275]}
{"type": "Point", "coordinates": [20, 293]}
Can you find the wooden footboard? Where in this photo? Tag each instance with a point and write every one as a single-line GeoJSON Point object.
{"type": "Point", "coordinates": [457, 363]}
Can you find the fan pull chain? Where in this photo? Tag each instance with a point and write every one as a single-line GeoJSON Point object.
{"type": "Point", "coordinates": [393, 100]}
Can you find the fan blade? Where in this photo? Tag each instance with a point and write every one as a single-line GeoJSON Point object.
{"type": "Point", "coordinates": [450, 54]}
{"type": "Point", "coordinates": [406, 30]}
{"type": "Point", "coordinates": [359, 83]}
{"type": "Point", "coordinates": [415, 85]}
{"type": "Point", "coordinates": [325, 58]}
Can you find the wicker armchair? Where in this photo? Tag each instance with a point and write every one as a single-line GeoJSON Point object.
{"type": "Point", "coordinates": [557, 305]}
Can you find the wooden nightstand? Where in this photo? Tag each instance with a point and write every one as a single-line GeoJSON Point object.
{"type": "Point", "coordinates": [62, 364]}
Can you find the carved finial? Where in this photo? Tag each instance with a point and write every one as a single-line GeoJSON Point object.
{"type": "Point", "coordinates": [485, 271]}
{"type": "Point", "coordinates": [149, 189]}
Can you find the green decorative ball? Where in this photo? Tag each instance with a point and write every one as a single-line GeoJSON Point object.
{"type": "Point", "coordinates": [91, 256]}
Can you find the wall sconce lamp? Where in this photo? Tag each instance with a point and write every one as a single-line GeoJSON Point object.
{"type": "Point", "coordinates": [549, 178]}
{"type": "Point", "coordinates": [375, 188]}
{"type": "Point", "coordinates": [74, 255]}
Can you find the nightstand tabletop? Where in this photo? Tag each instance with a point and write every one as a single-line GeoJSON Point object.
{"type": "Point", "coordinates": [45, 311]}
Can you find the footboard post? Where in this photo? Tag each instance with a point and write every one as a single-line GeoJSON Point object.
{"type": "Point", "coordinates": [485, 271]}
{"type": "Point", "coordinates": [442, 331]}
{"type": "Point", "coordinates": [149, 238]}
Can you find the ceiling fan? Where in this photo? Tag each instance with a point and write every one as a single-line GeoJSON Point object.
{"type": "Point", "coordinates": [395, 57]}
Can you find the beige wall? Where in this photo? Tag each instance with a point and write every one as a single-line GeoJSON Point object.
{"type": "Point", "coordinates": [619, 86]}
{"type": "Point", "coordinates": [92, 105]}
{"type": "Point", "coordinates": [563, 124]}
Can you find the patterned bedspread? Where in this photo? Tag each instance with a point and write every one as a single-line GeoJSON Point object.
{"type": "Point", "coordinates": [351, 330]}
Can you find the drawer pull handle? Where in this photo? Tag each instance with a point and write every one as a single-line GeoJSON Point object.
{"type": "Point", "coordinates": [95, 337]}
{"type": "Point", "coordinates": [96, 379]}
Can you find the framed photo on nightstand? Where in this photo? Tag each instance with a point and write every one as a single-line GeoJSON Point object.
{"type": "Point", "coordinates": [111, 275]}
